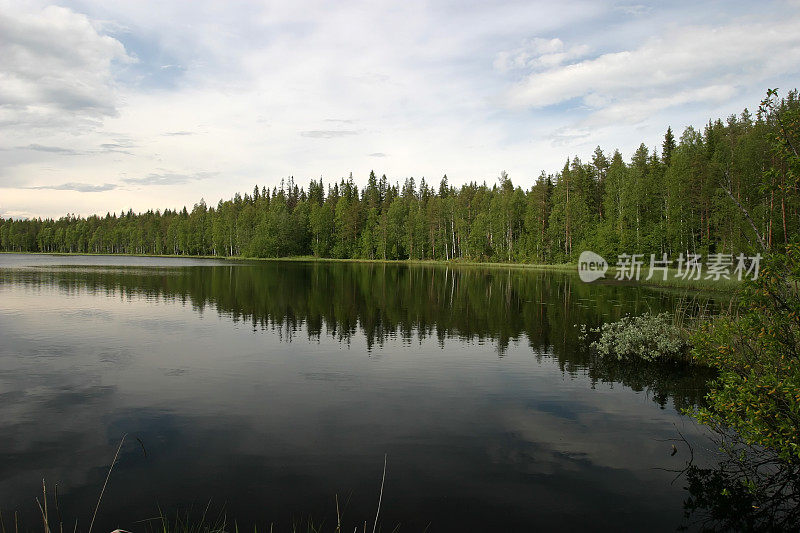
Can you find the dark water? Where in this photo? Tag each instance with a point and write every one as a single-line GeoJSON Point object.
{"type": "Point", "coordinates": [269, 389]}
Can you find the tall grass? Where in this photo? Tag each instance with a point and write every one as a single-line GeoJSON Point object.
{"type": "Point", "coordinates": [53, 522]}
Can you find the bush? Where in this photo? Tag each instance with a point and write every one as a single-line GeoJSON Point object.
{"type": "Point", "coordinates": [757, 354]}
{"type": "Point", "coordinates": [753, 406]}
{"type": "Point", "coordinates": [648, 337]}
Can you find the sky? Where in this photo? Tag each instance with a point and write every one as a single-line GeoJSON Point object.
{"type": "Point", "coordinates": [110, 106]}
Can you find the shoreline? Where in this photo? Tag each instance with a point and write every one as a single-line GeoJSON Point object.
{"type": "Point", "coordinates": [725, 286]}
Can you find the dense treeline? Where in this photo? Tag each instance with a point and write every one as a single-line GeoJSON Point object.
{"type": "Point", "coordinates": [690, 195]}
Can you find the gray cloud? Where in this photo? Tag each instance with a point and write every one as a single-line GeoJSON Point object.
{"type": "Point", "coordinates": [327, 134]}
{"type": "Point", "coordinates": [115, 147]}
{"type": "Point", "coordinates": [377, 154]}
{"type": "Point", "coordinates": [168, 178]}
{"type": "Point", "coordinates": [178, 133]}
{"type": "Point", "coordinates": [49, 149]}
{"type": "Point", "coordinates": [119, 148]}
{"type": "Point", "coordinates": [79, 187]}
{"type": "Point", "coordinates": [633, 9]}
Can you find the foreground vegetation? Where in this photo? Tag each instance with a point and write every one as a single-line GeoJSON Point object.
{"type": "Point", "coordinates": [53, 521]}
{"type": "Point", "coordinates": [753, 406]}
{"type": "Point", "coordinates": [753, 403]}
{"type": "Point", "coordinates": [686, 197]}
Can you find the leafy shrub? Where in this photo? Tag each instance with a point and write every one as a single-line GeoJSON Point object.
{"type": "Point", "coordinates": [648, 337]}
{"type": "Point", "coordinates": [753, 406]}
{"type": "Point", "coordinates": [757, 353]}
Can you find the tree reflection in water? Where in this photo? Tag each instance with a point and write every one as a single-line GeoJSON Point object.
{"type": "Point", "coordinates": [749, 489]}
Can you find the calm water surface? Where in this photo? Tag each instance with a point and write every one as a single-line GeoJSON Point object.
{"type": "Point", "coordinates": [270, 388]}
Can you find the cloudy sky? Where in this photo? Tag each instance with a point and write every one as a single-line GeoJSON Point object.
{"type": "Point", "coordinates": [116, 105]}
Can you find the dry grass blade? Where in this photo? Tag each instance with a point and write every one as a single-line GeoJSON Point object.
{"type": "Point", "coordinates": [105, 483]}
{"type": "Point", "coordinates": [44, 516]}
{"type": "Point", "coordinates": [43, 510]}
{"type": "Point", "coordinates": [58, 509]}
{"type": "Point", "coordinates": [338, 516]}
{"type": "Point", "coordinates": [380, 496]}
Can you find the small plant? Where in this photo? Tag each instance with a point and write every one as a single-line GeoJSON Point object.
{"type": "Point", "coordinates": [648, 337]}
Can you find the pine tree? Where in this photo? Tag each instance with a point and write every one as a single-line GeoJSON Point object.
{"type": "Point", "coordinates": [668, 146]}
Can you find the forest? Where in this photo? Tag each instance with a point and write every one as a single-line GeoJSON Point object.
{"type": "Point", "coordinates": [720, 190]}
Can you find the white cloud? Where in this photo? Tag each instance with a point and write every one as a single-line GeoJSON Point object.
{"type": "Point", "coordinates": [54, 67]}
{"type": "Point", "coordinates": [537, 54]}
{"type": "Point", "coordinates": [310, 88]}
{"type": "Point", "coordinates": [169, 178]}
{"type": "Point", "coordinates": [638, 109]}
{"type": "Point", "coordinates": [567, 136]}
{"type": "Point", "coordinates": [679, 66]}
{"type": "Point", "coordinates": [327, 134]}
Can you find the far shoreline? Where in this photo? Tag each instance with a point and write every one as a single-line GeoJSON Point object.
{"type": "Point", "coordinates": [725, 286]}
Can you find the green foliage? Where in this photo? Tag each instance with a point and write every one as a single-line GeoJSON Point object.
{"type": "Point", "coordinates": [757, 353]}
{"type": "Point", "coordinates": [754, 403]}
{"type": "Point", "coordinates": [650, 337]}
{"type": "Point", "coordinates": [757, 349]}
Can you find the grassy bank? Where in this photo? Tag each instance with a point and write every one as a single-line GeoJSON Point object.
{"type": "Point", "coordinates": [315, 259]}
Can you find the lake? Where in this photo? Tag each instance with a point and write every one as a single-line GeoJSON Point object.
{"type": "Point", "coordinates": [267, 390]}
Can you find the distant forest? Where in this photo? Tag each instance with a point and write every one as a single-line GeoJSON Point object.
{"type": "Point", "coordinates": [721, 190]}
